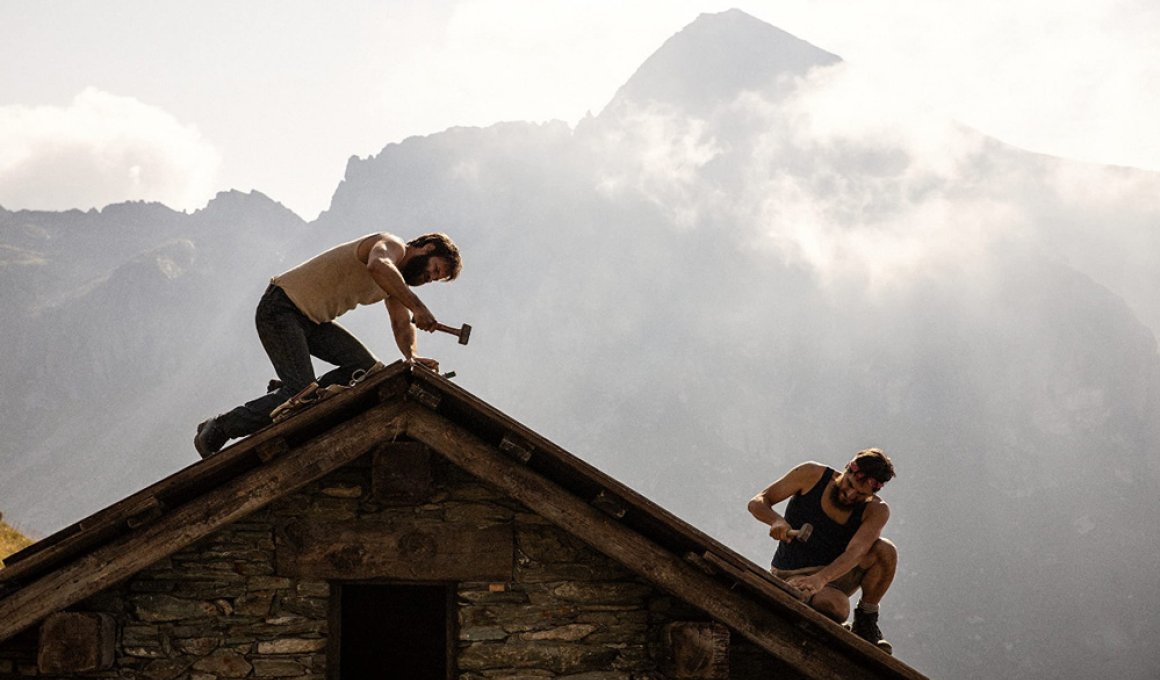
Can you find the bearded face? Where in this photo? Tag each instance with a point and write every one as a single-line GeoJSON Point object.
{"type": "Point", "coordinates": [853, 489]}
{"type": "Point", "coordinates": [840, 499]}
{"type": "Point", "coordinates": [415, 270]}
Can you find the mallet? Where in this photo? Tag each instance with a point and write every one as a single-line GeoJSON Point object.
{"type": "Point", "coordinates": [803, 534]}
{"type": "Point", "coordinates": [464, 333]}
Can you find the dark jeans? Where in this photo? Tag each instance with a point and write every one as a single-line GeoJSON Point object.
{"type": "Point", "coordinates": [290, 339]}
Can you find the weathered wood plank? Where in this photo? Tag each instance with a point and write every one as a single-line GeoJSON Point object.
{"type": "Point", "coordinates": [370, 550]}
{"type": "Point", "coordinates": [777, 635]}
{"type": "Point", "coordinates": [774, 588]}
{"type": "Point", "coordinates": [76, 642]}
{"type": "Point", "coordinates": [765, 584]}
{"type": "Point", "coordinates": [149, 511]}
{"type": "Point", "coordinates": [695, 650]}
{"type": "Point", "coordinates": [401, 474]}
{"type": "Point", "coordinates": [187, 523]}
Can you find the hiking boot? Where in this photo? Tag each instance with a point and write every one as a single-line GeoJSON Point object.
{"type": "Point", "coordinates": [865, 626]}
{"type": "Point", "coordinates": [209, 438]}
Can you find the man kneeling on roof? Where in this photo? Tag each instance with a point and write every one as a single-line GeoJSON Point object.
{"type": "Point", "coordinates": [845, 550]}
{"type": "Point", "coordinates": [296, 319]}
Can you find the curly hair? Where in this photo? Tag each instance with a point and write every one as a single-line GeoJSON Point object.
{"type": "Point", "coordinates": [874, 464]}
{"type": "Point", "coordinates": [444, 247]}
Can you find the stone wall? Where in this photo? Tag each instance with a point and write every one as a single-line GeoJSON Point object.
{"type": "Point", "coordinates": [221, 608]}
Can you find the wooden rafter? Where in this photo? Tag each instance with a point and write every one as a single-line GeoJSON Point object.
{"type": "Point", "coordinates": [218, 507]}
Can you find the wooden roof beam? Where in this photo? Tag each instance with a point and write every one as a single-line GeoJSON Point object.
{"type": "Point", "coordinates": [187, 523]}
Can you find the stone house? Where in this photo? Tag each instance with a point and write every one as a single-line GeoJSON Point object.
{"type": "Point", "coordinates": [404, 525]}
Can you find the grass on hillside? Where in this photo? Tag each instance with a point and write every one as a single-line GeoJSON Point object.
{"type": "Point", "coordinates": [11, 541]}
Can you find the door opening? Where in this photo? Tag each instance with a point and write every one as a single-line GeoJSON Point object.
{"type": "Point", "coordinates": [394, 632]}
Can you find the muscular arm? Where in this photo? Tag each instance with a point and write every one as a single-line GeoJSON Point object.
{"type": "Point", "coordinates": [402, 329]}
{"type": "Point", "coordinates": [401, 301]}
{"type": "Point", "coordinates": [874, 521]}
{"type": "Point", "coordinates": [382, 263]}
{"type": "Point", "coordinates": [797, 481]}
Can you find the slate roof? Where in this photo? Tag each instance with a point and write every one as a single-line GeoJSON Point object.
{"type": "Point", "coordinates": [412, 402]}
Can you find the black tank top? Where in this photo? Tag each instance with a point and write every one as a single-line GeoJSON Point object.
{"type": "Point", "coordinates": [829, 539]}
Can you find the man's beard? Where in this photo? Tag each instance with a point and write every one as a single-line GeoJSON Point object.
{"type": "Point", "coordinates": [414, 269]}
{"type": "Point", "coordinates": [836, 499]}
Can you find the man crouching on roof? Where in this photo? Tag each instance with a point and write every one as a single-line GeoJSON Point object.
{"type": "Point", "coordinates": [846, 550]}
{"type": "Point", "coordinates": [296, 314]}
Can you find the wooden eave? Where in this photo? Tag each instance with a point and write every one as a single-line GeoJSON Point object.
{"type": "Point", "coordinates": [414, 403]}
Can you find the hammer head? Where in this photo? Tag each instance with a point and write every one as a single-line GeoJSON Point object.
{"type": "Point", "coordinates": [805, 532]}
{"type": "Point", "coordinates": [464, 334]}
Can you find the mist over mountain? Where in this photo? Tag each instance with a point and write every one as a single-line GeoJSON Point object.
{"type": "Point", "coordinates": [746, 260]}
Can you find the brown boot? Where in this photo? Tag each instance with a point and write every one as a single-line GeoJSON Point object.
{"type": "Point", "coordinates": [865, 626]}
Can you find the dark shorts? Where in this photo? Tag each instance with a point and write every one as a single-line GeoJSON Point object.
{"type": "Point", "coordinates": [848, 583]}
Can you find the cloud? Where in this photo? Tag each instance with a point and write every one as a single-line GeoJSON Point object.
{"type": "Point", "coordinates": [834, 174]}
{"type": "Point", "coordinates": [102, 149]}
{"type": "Point", "coordinates": [1076, 79]}
{"type": "Point", "coordinates": [659, 154]}
{"type": "Point", "coordinates": [855, 182]}
{"type": "Point", "coordinates": [847, 178]}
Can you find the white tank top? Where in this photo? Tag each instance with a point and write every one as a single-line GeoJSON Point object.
{"type": "Point", "coordinates": [330, 284]}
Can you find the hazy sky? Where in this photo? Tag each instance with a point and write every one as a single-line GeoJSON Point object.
{"type": "Point", "coordinates": [174, 101]}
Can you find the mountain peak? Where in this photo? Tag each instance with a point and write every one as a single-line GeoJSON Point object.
{"type": "Point", "coordinates": [234, 202]}
{"type": "Point", "coordinates": [714, 59]}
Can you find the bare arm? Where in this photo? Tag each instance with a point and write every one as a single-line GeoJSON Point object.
{"type": "Point", "coordinates": [873, 522]}
{"type": "Point", "coordinates": [401, 301]}
{"type": "Point", "coordinates": [797, 481]}
{"type": "Point", "coordinates": [402, 329]}
{"type": "Point", "coordinates": [382, 263]}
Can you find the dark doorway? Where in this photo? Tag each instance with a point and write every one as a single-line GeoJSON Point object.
{"type": "Point", "coordinates": [394, 632]}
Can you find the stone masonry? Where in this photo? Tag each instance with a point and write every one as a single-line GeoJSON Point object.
{"type": "Point", "coordinates": [220, 609]}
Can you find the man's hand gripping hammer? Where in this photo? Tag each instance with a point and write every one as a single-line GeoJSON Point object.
{"type": "Point", "coordinates": [803, 534]}
{"type": "Point", "coordinates": [463, 333]}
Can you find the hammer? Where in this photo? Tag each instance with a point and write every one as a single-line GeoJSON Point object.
{"type": "Point", "coordinates": [464, 333]}
{"type": "Point", "coordinates": [802, 534]}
